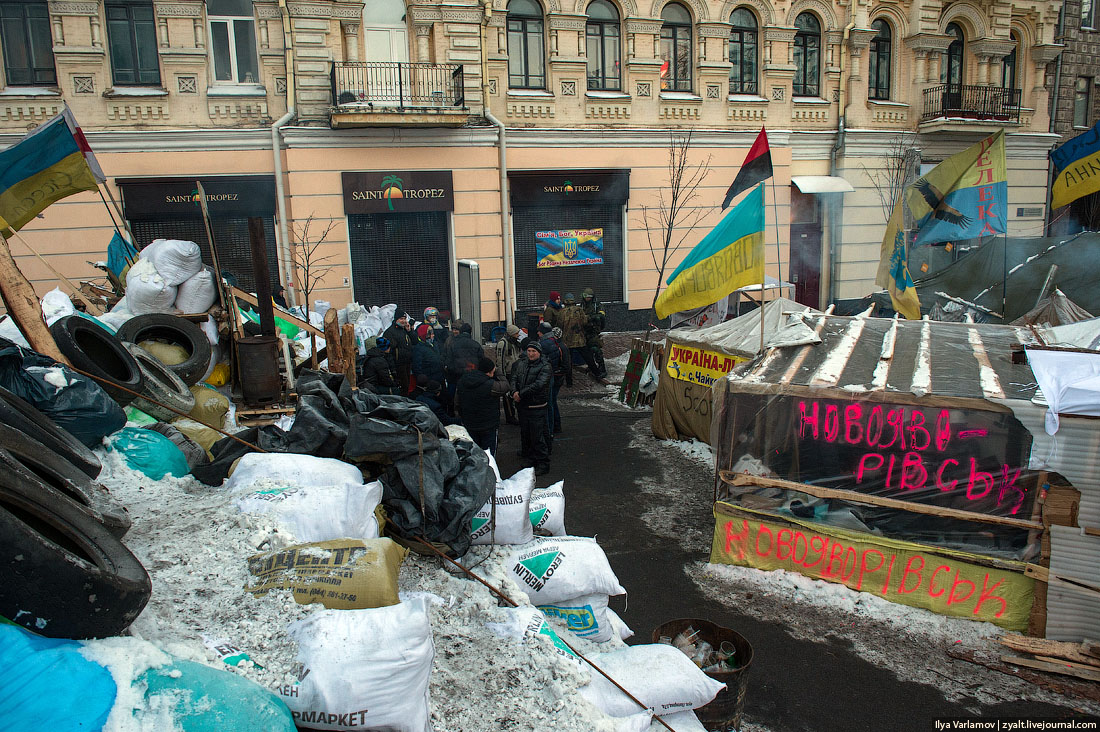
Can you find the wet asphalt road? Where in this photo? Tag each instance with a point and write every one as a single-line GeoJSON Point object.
{"type": "Point", "coordinates": [795, 683]}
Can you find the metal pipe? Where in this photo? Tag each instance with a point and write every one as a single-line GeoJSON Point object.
{"type": "Point", "coordinates": [1054, 114]}
{"type": "Point", "coordinates": [277, 152]}
{"type": "Point", "coordinates": [502, 146]}
{"type": "Point", "coordinates": [836, 205]}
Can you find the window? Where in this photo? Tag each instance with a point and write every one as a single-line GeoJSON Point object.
{"type": "Point", "coordinates": [675, 48]}
{"type": "Point", "coordinates": [1082, 101]}
{"type": "Point", "coordinates": [131, 34]}
{"type": "Point", "coordinates": [807, 56]}
{"type": "Point", "coordinates": [602, 32]}
{"type": "Point", "coordinates": [28, 46]}
{"type": "Point", "coordinates": [878, 86]}
{"type": "Point", "coordinates": [952, 71]}
{"type": "Point", "coordinates": [1008, 66]}
{"type": "Point", "coordinates": [526, 55]}
{"type": "Point", "coordinates": [1088, 14]}
{"type": "Point", "coordinates": [233, 41]}
{"type": "Point", "coordinates": [743, 52]}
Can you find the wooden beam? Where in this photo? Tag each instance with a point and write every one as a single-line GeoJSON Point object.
{"type": "Point", "coordinates": [238, 292]}
{"type": "Point", "coordinates": [1043, 647]}
{"type": "Point", "coordinates": [23, 305]}
{"type": "Point", "coordinates": [743, 479]}
{"type": "Point", "coordinates": [1066, 668]}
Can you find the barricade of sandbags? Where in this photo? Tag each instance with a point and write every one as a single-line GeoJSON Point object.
{"type": "Point", "coordinates": [547, 510]}
{"type": "Point", "coordinates": [506, 516]}
{"type": "Point", "coordinates": [657, 674]}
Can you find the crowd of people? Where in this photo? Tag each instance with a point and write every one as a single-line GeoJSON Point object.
{"type": "Point", "coordinates": [463, 382]}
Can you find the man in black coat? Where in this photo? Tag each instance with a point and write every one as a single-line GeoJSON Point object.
{"type": "Point", "coordinates": [402, 340]}
{"type": "Point", "coordinates": [461, 353]}
{"type": "Point", "coordinates": [377, 369]}
{"type": "Point", "coordinates": [562, 369]}
{"type": "Point", "coordinates": [478, 395]}
{"type": "Point", "coordinates": [531, 391]}
{"type": "Point", "coordinates": [427, 363]}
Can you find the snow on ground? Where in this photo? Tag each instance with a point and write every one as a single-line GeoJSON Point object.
{"type": "Point", "coordinates": [194, 544]}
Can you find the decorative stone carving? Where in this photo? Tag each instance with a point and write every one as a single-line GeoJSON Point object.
{"type": "Point", "coordinates": [430, 14]}
{"type": "Point", "coordinates": [569, 88]}
{"type": "Point", "coordinates": [679, 113]}
{"type": "Point", "coordinates": [818, 8]}
{"type": "Point", "coordinates": [712, 91]}
{"type": "Point", "coordinates": [461, 15]}
{"type": "Point", "coordinates": [493, 87]}
{"type": "Point", "coordinates": [779, 33]}
{"type": "Point", "coordinates": [701, 13]}
{"type": "Point", "coordinates": [779, 93]}
{"type": "Point", "coordinates": [762, 10]}
{"type": "Point", "coordinates": [280, 85]}
{"type": "Point", "coordinates": [179, 10]}
{"type": "Point", "coordinates": [84, 85]}
{"type": "Point", "coordinates": [971, 17]}
{"type": "Point", "coordinates": [306, 10]}
{"type": "Point", "coordinates": [267, 12]}
{"type": "Point", "coordinates": [747, 114]}
{"type": "Point", "coordinates": [607, 111]}
{"type": "Point", "coordinates": [645, 27]}
{"type": "Point", "coordinates": [566, 23]}
{"type": "Point", "coordinates": [68, 8]}
{"type": "Point", "coordinates": [714, 30]}
{"type": "Point", "coordinates": [187, 84]}
{"type": "Point", "coordinates": [529, 110]}
{"type": "Point", "coordinates": [1043, 53]}
{"type": "Point", "coordinates": [629, 6]}
{"type": "Point", "coordinates": [137, 112]}
{"type": "Point", "coordinates": [645, 88]}
{"type": "Point", "coordinates": [993, 50]}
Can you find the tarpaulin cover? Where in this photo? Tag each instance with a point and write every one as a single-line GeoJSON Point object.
{"type": "Point", "coordinates": [681, 409]}
{"type": "Point", "coordinates": [1055, 309]}
{"type": "Point", "coordinates": [904, 411]}
{"type": "Point", "coordinates": [73, 402]}
{"type": "Point", "coordinates": [432, 486]}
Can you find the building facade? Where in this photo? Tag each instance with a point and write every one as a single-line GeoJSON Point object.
{"type": "Point", "coordinates": [418, 136]}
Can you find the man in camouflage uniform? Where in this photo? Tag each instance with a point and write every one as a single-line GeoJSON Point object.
{"type": "Point", "coordinates": [595, 320]}
{"type": "Point", "coordinates": [572, 320]}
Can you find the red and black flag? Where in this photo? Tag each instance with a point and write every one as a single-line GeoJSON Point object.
{"type": "Point", "coordinates": [757, 167]}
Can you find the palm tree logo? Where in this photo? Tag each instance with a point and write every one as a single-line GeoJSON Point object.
{"type": "Point", "coordinates": [568, 187]}
{"type": "Point", "coordinates": [391, 189]}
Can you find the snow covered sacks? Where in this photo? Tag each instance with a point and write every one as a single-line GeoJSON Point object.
{"type": "Point", "coordinates": [364, 669]}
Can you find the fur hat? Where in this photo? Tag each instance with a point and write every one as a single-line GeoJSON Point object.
{"type": "Point", "coordinates": [466, 328]}
{"type": "Point", "coordinates": [485, 365]}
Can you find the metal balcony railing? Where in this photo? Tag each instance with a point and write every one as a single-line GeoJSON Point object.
{"type": "Point", "coordinates": [972, 102]}
{"type": "Point", "coordinates": [383, 85]}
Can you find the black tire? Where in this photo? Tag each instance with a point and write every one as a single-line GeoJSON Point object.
{"type": "Point", "coordinates": [161, 384]}
{"type": "Point", "coordinates": [179, 331]}
{"type": "Point", "coordinates": [15, 412]}
{"type": "Point", "coordinates": [90, 348]}
{"type": "Point", "coordinates": [62, 574]}
{"type": "Point", "coordinates": [22, 454]}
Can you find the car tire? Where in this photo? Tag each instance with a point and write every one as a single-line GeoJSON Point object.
{"type": "Point", "coordinates": [162, 385]}
{"type": "Point", "coordinates": [179, 331]}
{"type": "Point", "coordinates": [18, 413]}
{"type": "Point", "coordinates": [89, 347]}
{"type": "Point", "coordinates": [62, 574]}
{"type": "Point", "coordinates": [24, 455]}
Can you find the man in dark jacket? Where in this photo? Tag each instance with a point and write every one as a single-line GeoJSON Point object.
{"type": "Point", "coordinates": [377, 369]}
{"type": "Point", "coordinates": [593, 328]}
{"type": "Point", "coordinates": [427, 362]}
{"type": "Point", "coordinates": [431, 318]}
{"type": "Point", "coordinates": [428, 395]}
{"type": "Point", "coordinates": [402, 341]}
{"type": "Point", "coordinates": [561, 368]}
{"type": "Point", "coordinates": [479, 393]}
{"type": "Point", "coordinates": [461, 354]}
{"type": "Point", "coordinates": [531, 391]}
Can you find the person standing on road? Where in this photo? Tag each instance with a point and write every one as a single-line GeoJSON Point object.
{"type": "Point", "coordinates": [574, 325]}
{"type": "Point", "coordinates": [555, 355]}
{"type": "Point", "coordinates": [506, 352]}
{"type": "Point", "coordinates": [552, 311]}
{"type": "Point", "coordinates": [479, 393]}
{"type": "Point", "coordinates": [595, 321]}
{"type": "Point", "coordinates": [402, 340]}
{"type": "Point", "coordinates": [431, 319]}
{"type": "Point", "coordinates": [530, 380]}
{"type": "Point", "coordinates": [460, 354]}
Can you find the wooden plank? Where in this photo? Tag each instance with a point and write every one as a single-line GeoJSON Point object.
{"type": "Point", "coordinates": [1066, 668]}
{"type": "Point", "coordinates": [742, 479]}
{"type": "Point", "coordinates": [347, 344]}
{"type": "Point", "coordinates": [238, 292]}
{"type": "Point", "coordinates": [1043, 647]}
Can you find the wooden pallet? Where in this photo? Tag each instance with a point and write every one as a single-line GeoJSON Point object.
{"type": "Point", "coordinates": [259, 416]}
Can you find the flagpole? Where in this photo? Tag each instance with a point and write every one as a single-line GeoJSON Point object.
{"type": "Point", "coordinates": [764, 271]}
{"type": "Point", "coordinates": [63, 278]}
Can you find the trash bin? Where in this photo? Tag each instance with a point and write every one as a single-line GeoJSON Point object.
{"type": "Point", "coordinates": [723, 713]}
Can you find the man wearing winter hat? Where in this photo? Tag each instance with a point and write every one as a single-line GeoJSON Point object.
{"type": "Point", "coordinates": [595, 320]}
{"type": "Point", "coordinates": [431, 318]}
{"type": "Point", "coordinates": [427, 361]}
{"type": "Point", "coordinates": [377, 369]}
{"type": "Point", "coordinates": [460, 354]}
{"type": "Point", "coordinates": [402, 340]}
{"type": "Point", "coordinates": [530, 379]}
{"type": "Point", "coordinates": [556, 355]}
{"type": "Point", "coordinates": [506, 352]}
{"type": "Point", "coordinates": [552, 311]}
{"type": "Point", "coordinates": [478, 397]}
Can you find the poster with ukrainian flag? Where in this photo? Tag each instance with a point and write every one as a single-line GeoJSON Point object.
{"type": "Point", "coordinates": [964, 197]}
{"type": "Point", "coordinates": [568, 247]}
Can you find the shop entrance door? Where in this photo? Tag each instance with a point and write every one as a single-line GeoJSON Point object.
{"type": "Point", "coordinates": [805, 272]}
{"type": "Point", "coordinates": [402, 258]}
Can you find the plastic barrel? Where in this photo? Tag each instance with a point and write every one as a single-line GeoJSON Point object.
{"type": "Point", "coordinates": [723, 713]}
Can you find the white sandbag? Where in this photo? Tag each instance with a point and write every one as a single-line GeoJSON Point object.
{"type": "Point", "coordinates": [317, 513]}
{"type": "Point", "coordinates": [525, 623]}
{"type": "Point", "coordinates": [115, 318]}
{"type": "Point", "coordinates": [512, 500]}
{"type": "Point", "coordinates": [177, 261]}
{"type": "Point", "coordinates": [640, 722]}
{"type": "Point", "coordinates": [321, 307]}
{"type": "Point", "coordinates": [302, 471]}
{"type": "Point", "coordinates": [586, 617]}
{"type": "Point", "coordinates": [10, 331]}
{"type": "Point", "coordinates": [363, 669]}
{"type": "Point", "coordinates": [684, 722]}
{"type": "Point", "coordinates": [56, 305]}
{"type": "Point", "coordinates": [661, 676]}
{"type": "Point", "coordinates": [147, 291]}
{"type": "Point", "coordinates": [197, 293]}
{"type": "Point", "coordinates": [560, 568]}
{"type": "Point", "coordinates": [210, 328]}
{"type": "Point", "coordinates": [618, 626]}
{"type": "Point", "coordinates": [547, 512]}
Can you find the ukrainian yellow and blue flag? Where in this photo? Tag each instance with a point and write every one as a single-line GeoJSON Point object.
{"type": "Point", "coordinates": [1076, 168]}
{"type": "Point", "coordinates": [53, 161]}
{"type": "Point", "coordinates": [730, 256]}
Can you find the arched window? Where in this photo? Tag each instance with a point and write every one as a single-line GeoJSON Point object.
{"type": "Point", "coordinates": [526, 47]}
{"type": "Point", "coordinates": [878, 86]}
{"type": "Point", "coordinates": [675, 48]}
{"type": "Point", "coordinates": [603, 46]}
{"type": "Point", "coordinates": [743, 43]}
{"type": "Point", "coordinates": [807, 56]}
{"type": "Point", "coordinates": [952, 72]}
{"type": "Point", "coordinates": [1008, 65]}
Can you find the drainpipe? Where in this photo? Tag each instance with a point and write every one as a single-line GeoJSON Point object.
{"type": "Point", "coordinates": [1058, 38]}
{"type": "Point", "coordinates": [502, 147]}
{"type": "Point", "coordinates": [277, 152]}
{"type": "Point", "coordinates": [837, 204]}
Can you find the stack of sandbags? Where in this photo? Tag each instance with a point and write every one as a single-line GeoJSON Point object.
{"type": "Point", "coordinates": [169, 276]}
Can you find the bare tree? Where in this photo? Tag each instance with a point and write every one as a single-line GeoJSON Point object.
{"type": "Point", "coordinates": [669, 223]}
{"type": "Point", "coordinates": [310, 265]}
{"type": "Point", "coordinates": [901, 162]}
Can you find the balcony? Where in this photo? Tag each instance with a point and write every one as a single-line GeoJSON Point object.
{"type": "Point", "coordinates": [377, 93]}
{"type": "Point", "coordinates": [983, 103]}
